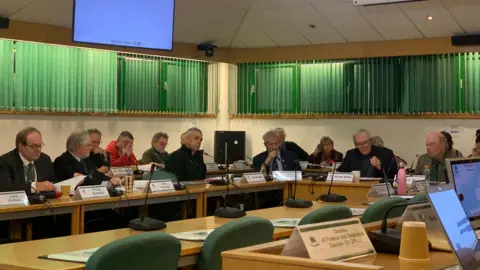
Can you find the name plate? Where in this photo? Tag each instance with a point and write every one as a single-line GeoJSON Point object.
{"type": "Point", "coordinates": [211, 166]}
{"type": "Point", "coordinates": [90, 192]}
{"type": "Point", "coordinates": [159, 186]}
{"type": "Point", "coordinates": [334, 241]}
{"type": "Point", "coordinates": [253, 178]}
{"type": "Point", "coordinates": [13, 198]}
{"type": "Point", "coordinates": [340, 177]}
{"type": "Point", "coordinates": [287, 175]}
{"type": "Point", "coordinates": [421, 185]}
{"type": "Point", "coordinates": [422, 213]}
{"type": "Point", "coordinates": [121, 171]}
{"type": "Point", "coordinates": [378, 190]}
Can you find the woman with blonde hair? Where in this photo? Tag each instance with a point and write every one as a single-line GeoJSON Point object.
{"type": "Point", "coordinates": [325, 153]}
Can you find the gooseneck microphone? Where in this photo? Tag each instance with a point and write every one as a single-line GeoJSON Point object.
{"type": "Point", "coordinates": [293, 202]}
{"type": "Point", "coordinates": [411, 170]}
{"type": "Point", "coordinates": [332, 197]}
{"type": "Point", "coordinates": [145, 223]}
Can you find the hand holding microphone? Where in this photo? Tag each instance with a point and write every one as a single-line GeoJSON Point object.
{"type": "Point", "coordinates": [376, 163]}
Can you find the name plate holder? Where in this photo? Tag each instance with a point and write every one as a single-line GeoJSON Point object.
{"type": "Point", "coordinates": [422, 213]}
{"type": "Point", "coordinates": [14, 198]}
{"type": "Point", "coordinates": [121, 171]}
{"type": "Point", "coordinates": [91, 192]}
{"type": "Point", "coordinates": [340, 177]}
{"type": "Point", "coordinates": [253, 178]}
{"type": "Point", "coordinates": [287, 175]}
{"type": "Point", "coordinates": [379, 190]}
{"type": "Point", "coordinates": [159, 186]}
{"type": "Point", "coordinates": [338, 240]}
{"type": "Point", "coordinates": [420, 185]}
{"type": "Point", "coordinates": [211, 166]}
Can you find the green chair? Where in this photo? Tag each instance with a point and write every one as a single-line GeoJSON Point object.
{"type": "Point", "coordinates": [154, 250]}
{"type": "Point", "coordinates": [378, 210]}
{"type": "Point", "coordinates": [326, 213]}
{"type": "Point", "coordinates": [248, 231]}
{"type": "Point", "coordinates": [420, 197]}
{"type": "Point", "coordinates": [160, 175]}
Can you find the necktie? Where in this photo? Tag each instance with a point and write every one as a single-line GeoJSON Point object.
{"type": "Point", "coordinates": [434, 171]}
{"type": "Point", "coordinates": [30, 173]}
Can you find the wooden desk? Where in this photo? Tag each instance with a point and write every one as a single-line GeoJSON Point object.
{"type": "Point", "coordinates": [353, 191]}
{"type": "Point", "coordinates": [233, 171]}
{"type": "Point", "coordinates": [17, 255]}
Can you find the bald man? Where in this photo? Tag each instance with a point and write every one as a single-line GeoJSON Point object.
{"type": "Point", "coordinates": [434, 159]}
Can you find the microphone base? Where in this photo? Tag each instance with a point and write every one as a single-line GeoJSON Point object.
{"type": "Point", "coordinates": [148, 224]}
{"type": "Point", "coordinates": [298, 203]}
{"type": "Point", "coordinates": [218, 183]}
{"type": "Point", "coordinates": [179, 186]}
{"type": "Point", "coordinates": [229, 212]}
{"type": "Point", "coordinates": [388, 242]}
{"type": "Point", "coordinates": [332, 198]}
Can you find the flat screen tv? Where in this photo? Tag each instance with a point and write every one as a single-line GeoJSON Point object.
{"type": "Point", "coordinates": [127, 23]}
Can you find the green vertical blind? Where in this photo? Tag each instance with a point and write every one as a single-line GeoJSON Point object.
{"type": "Point", "coordinates": [6, 74]}
{"type": "Point", "coordinates": [447, 83]}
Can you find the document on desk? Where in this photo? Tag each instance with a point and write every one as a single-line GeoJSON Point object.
{"type": "Point", "coordinates": [285, 222]}
{"type": "Point", "coordinates": [72, 182]}
{"type": "Point", "coordinates": [80, 256]}
{"type": "Point", "coordinates": [357, 211]}
{"type": "Point", "coordinates": [199, 235]}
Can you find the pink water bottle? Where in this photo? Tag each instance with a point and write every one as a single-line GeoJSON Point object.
{"type": "Point", "coordinates": [401, 180]}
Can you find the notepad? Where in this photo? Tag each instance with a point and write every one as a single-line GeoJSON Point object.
{"type": "Point", "coordinates": [199, 235]}
{"type": "Point", "coordinates": [357, 211]}
{"type": "Point", "coordinates": [80, 256]}
{"type": "Point", "coordinates": [285, 222]}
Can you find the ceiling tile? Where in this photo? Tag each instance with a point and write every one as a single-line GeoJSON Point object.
{"type": "Point", "coordinates": [466, 13]}
{"type": "Point", "coordinates": [8, 7]}
{"type": "Point", "coordinates": [40, 11]}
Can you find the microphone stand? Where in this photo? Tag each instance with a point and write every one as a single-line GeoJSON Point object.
{"type": "Point", "coordinates": [332, 197]}
{"type": "Point", "coordinates": [145, 223]}
{"type": "Point", "coordinates": [297, 203]}
{"type": "Point", "coordinates": [225, 211]}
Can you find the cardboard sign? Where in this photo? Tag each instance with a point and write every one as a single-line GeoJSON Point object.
{"type": "Point", "coordinates": [413, 178]}
{"type": "Point", "coordinates": [90, 192]}
{"type": "Point", "coordinates": [287, 175]}
{"type": "Point", "coordinates": [340, 177]}
{"type": "Point", "coordinates": [378, 190]}
{"type": "Point", "coordinates": [13, 198]}
{"type": "Point", "coordinates": [253, 178]}
{"type": "Point", "coordinates": [159, 186]}
{"type": "Point", "coordinates": [121, 171]}
{"type": "Point", "coordinates": [338, 240]}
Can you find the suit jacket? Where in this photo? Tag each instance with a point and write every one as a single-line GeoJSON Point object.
{"type": "Point", "coordinates": [297, 150]}
{"type": "Point", "coordinates": [99, 160]}
{"type": "Point", "coordinates": [151, 155]}
{"type": "Point", "coordinates": [353, 162]}
{"type": "Point", "coordinates": [425, 160]}
{"type": "Point", "coordinates": [288, 161]}
{"type": "Point", "coordinates": [185, 166]}
{"type": "Point", "coordinates": [12, 175]}
{"type": "Point", "coordinates": [66, 165]}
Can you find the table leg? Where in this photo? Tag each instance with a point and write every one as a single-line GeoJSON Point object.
{"type": "Point", "coordinates": [204, 204]}
{"type": "Point", "coordinates": [199, 202]}
{"type": "Point", "coordinates": [77, 226]}
{"type": "Point", "coordinates": [15, 229]}
{"type": "Point", "coordinates": [183, 210]}
{"type": "Point", "coordinates": [29, 231]}
{"type": "Point", "coordinates": [286, 187]}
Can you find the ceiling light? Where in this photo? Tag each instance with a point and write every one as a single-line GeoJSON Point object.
{"type": "Point", "coordinates": [430, 18]}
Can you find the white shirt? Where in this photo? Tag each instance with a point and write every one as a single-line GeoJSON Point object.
{"type": "Point", "coordinates": [25, 165]}
{"type": "Point", "coordinates": [77, 158]}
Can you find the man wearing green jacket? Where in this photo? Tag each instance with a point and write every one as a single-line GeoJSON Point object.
{"type": "Point", "coordinates": [156, 153]}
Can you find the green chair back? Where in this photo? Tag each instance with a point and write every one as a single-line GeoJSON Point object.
{"type": "Point", "coordinates": [420, 197]}
{"type": "Point", "coordinates": [248, 231]}
{"type": "Point", "coordinates": [378, 210]}
{"type": "Point", "coordinates": [326, 213]}
{"type": "Point", "coordinates": [146, 251]}
{"type": "Point", "coordinates": [161, 175]}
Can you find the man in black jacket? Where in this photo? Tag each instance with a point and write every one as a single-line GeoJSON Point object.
{"type": "Point", "coordinates": [187, 162]}
{"type": "Point", "coordinates": [370, 160]}
{"type": "Point", "coordinates": [290, 146]}
{"type": "Point", "coordinates": [26, 167]}
{"type": "Point", "coordinates": [274, 158]}
{"type": "Point", "coordinates": [98, 156]}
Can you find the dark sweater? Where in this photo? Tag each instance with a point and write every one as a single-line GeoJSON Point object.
{"type": "Point", "coordinates": [287, 159]}
{"type": "Point", "coordinates": [334, 155]}
{"type": "Point", "coordinates": [296, 150]}
{"type": "Point", "coordinates": [355, 161]}
{"type": "Point", "coordinates": [66, 165]}
{"type": "Point", "coordinates": [185, 166]}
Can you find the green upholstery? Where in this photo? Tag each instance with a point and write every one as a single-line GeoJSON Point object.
{"type": "Point", "coordinates": [161, 175]}
{"type": "Point", "coordinates": [248, 231]}
{"type": "Point", "coordinates": [378, 210]}
{"type": "Point", "coordinates": [421, 197]}
{"type": "Point", "coordinates": [326, 213]}
{"type": "Point", "coordinates": [154, 250]}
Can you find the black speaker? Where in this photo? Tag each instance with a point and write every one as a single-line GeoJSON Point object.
{"type": "Point", "coordinates": [4, 23]}
{"type": "Point", "coordinates": [235, 146]}
{"type": "Point", "coordinates": [466, 40]}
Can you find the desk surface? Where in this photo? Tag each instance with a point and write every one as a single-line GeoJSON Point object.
{"type": "Point", "coordinates": [25, 254]}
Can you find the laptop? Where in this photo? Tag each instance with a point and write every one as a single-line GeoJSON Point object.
{"type": "Point", "coordinates": [456, 225]}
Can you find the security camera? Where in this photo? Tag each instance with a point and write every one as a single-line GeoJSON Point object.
{"type": "Point", "coordinates": [208, 48]}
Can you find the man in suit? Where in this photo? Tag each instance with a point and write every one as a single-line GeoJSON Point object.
{"type": "Point", "coordinates": [370, 160]}
{"type": "Point", "coordinates": [121, 151]}
{"type": "Point", "coordinates": [187, 162]}
{"type": "Point", "coordinates": [290, 146]}
{"type": "Point", "coordinates": [26, 167]}
{"type": "Point", "coordinates": [98, 156]}
{"type": "Point", "coordinates": [274, 158]}
{"type": "Point", "coordinates": [156, 153]}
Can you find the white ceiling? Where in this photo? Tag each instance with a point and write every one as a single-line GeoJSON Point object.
{"type": "Point", "coordinates": [271, 23]}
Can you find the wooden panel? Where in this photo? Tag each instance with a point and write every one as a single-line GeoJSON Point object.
{"type": "Point", "coordinates": [353, 192]}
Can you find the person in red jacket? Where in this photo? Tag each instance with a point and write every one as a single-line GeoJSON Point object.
{"type": "Point", "coordinates": [121, 151]}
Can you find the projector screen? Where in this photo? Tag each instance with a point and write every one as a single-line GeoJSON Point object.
{"type": "Point", "coordinates": [139, 23]}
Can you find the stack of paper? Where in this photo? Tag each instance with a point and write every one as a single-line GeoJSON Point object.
{"type": "Point", "coordinates": [357, 211]}
{"type": "Point", "coordinates": [199, 235]}
{"type": "Point", "coordinates": [285, 222]}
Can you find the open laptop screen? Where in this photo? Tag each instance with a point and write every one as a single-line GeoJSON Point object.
{"type": "Point", "coordinates": [466, 178]}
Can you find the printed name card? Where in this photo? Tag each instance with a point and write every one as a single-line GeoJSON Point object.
{"type": "Point", "coordinates": [378, 190]}
{"type": "Point", "coordinates": [13, 198]}
{"type": "Point", "coordinates": [160, 186]}
{"type": "Point", "coordinates": [121, 171]}
{"type": "Point", "coordinates": [90, 192]}
{"type": "Point", "coordinates": [335, 241]}
{"type": "Point", "coordinates": [421, 185]}
{"type": "Point", "coordinates": [212, 166]}
{"type": "Point", "coordinates": [253, 178]}
{"type": "Point", "coordinates": [287, 175]}
{"type": "Point", "coordinates": [340, 177]}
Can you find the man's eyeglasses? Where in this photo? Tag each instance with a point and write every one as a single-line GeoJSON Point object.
{"type": "Point", "coordinates": [36, 146]}
{"type": "Point", "coordinates": [96, 142]}
{"type": "Point", "coordinates": [363, 144]}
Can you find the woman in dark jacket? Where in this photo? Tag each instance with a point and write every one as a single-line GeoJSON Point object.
{"type": "Point", "coordinates": [325, 152]}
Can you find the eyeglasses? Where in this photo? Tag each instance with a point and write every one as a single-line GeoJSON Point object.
{"type": "Point", "coordinates": [163, 143]}
{"type": "Point", "coordinates": [36, 146]}
{"type": "Point", "coordinates": [96, 142]}
{"type": "Point", "coordinates": [363, 144]}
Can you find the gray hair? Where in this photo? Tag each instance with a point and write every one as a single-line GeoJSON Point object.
{"type": "Point", "coordinates": [270, 134]}
{"type": "Point", "coordinates": [76, 139]}
{"type": "Point", "coordinates": [377, 141]}
{"type": "Point", "coordinates": [361, 132]}
{"type": "Point", "coordinates": [159, 135]}
{"type": "Point", "coordinates": [280, 131]}
{"type": "Point", "coordinates": [191, 130]}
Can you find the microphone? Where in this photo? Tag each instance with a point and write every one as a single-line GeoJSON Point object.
{"type": "Point", "coordinates": [249, 158]}
{"type": "Point", "coordinates": [387, 240]}
{"type": "Point", "coordinates": [297, 203]}
{"type": "Point", "coordinates": [332, 197]}
{"type": "Point", "coordinates": [208, 155]}
{"type": "Point", "coordinates": [385, 175]}
{"type": "Point", "coordinates": [145, 223]}
{"type": "Point", "coordinates": [411, 170]}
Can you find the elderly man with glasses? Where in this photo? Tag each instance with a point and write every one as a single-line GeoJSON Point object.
{"type": "Point", "coordinates": [156, 153]}
{"type": "Point", "coordinates": [370, 160]}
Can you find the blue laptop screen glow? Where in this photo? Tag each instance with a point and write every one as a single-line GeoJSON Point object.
{"type": "Point", "coordinates": [466, 177]}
